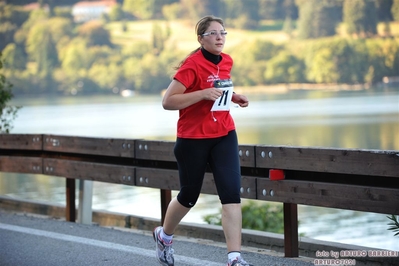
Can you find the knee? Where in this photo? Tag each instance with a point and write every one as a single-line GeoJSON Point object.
{"type": "Point", "coordinates": [230, 198]}
{"type": "Point", "coordinates": [188, 197]}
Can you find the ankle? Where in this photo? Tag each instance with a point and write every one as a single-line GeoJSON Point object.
{"type": "Point", "coordinates": [233, 255]}
{"type": "Point", "coordinates": [168, 239]}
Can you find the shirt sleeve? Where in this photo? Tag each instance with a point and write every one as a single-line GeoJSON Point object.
{"type": "Point", "coordinates": [186, 74]}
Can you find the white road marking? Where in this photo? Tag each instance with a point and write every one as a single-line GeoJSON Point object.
{"type": "Point", "coordinates": [103, 244]}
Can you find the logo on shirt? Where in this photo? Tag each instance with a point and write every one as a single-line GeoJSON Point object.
{"type": "Point", "coordinates": [212, 78]}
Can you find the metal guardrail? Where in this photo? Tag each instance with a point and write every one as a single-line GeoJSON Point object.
{"type": "Point", "coordinates": [362, 180]}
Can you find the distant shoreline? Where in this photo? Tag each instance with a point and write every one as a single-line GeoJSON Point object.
{"type": "Point", "coordinates": [284, 88]}
{"type": "Point", "coordinates": [278, 89]}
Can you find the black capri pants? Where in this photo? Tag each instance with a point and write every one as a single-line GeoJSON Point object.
{"type": "Point", "coordinates": [221, 154]}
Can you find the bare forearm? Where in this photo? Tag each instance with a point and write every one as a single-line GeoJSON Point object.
{"type": "Point", "coordinates": [181, 101]}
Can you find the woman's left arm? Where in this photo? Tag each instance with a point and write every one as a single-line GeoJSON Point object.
{"type": "Point", "coordinates": [240, 99]}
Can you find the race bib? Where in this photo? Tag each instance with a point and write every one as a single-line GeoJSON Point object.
{"type": "Point", "coordinates": [223, 102]}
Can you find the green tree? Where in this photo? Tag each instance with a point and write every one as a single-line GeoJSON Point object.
{"type": "Point", "coordinates": [145, 9]}
{"type": "Point", "coordinates": [173, 11]}
{"type": "Point", "coordinates": [290, 9]}
{"type": "Point", "coordinates": [136, 49]}
{"type": "Point", "coordinates": [195, 9]}
{"type": "Point", "coordinates": [285, 68]}
{"type": "Point", "coordinates": [50, 4]}
{"type": "Point", "coordinates": [81, 63]}
{"type": "Point", "coordinates": [13, 14]}
{"type": "Point", "coordinates": [271, 9]}
{"type": "Point", "coordinates": [116, 13]}
{"type": "Point", "coordinates": [11, 18]}
{"type": "Point", "coordinates": [384, 10]}
{"type": "Point", "coordinates": [360, 17]}
{"type": "Point", "coordinates": [106, 76]}
{"type": "Point", "coordinates": [95, 34]}
{"type": "Point", "coordinates": [14, 57]}
{"type": "Point", "coordinates": [75, 57]}
{"type": "Point", "coordinates": [322, 68]}
{"type": "Point", "coordinates": [41, 49]}
{"type": "Point", "coordinates": [7, 31]}
{"type": "Point", "coordinates": [7, 113]}
{"type": "Point", "coordinates": [242, 14]}
{"type": "Point", "coordinates": [250, 60]}
{"type": "Point", "coordinates": [395, 10]}
{"type": "Point", "coordinates": [337, 61]}
{"type": "Point", "coordinates": [151, 74]}
{"type": "Point", "coordinates": [318, 18]}
{"type": "Point", "coordinates": [383, 58]}
{"type": "Point", "coordinates": [132, 73]}
{"type": "Point", "coordinates": [60, 28]}
{"type": "Point", "coordinates": [159, 37]}
{"type": "Point", "coordinates": [34, 17]}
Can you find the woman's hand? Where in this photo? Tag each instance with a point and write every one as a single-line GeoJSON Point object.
{"type": "Point", "coordinates": [240, 99]}
{"type": "Point", "coordinates": [211, 94]}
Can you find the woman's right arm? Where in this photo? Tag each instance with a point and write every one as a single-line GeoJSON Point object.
{"type": "Point", "coordinates": [176, 99]}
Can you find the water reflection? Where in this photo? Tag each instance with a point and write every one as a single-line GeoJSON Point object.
{"type": "Point", "coordinates": [362, 119]}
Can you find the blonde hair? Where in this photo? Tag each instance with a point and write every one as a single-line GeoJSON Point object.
{"type": "Point", "coordinates": [200, 28]}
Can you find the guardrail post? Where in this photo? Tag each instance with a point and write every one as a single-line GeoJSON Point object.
{"type": "Point", "coordinates": [85, 212]}
{"type": "Point", "coordinates": [291, 247]}
{"type": "Point", "coordinates": [166, 197]}
{"type": "Point", "coordinates": [70, 209]}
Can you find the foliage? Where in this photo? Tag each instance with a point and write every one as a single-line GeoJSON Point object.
{"type": "Point", "coordinates": [394, 224]}
{"type": "Point", "coordinates": [95, 33]}
{"type": "Point", "coordinates": [360, 17]}
{"type": "Point", "coordinates": [11, 18]}
{"type": "Point", "coordinates": [395, 10]}
{"type": "Point", "coordinates": [285, 68]}
{"type": "Point", "coordinates": [51, 54]}
{"type": "Point", "coordinates": [14, 56]}
{"type": "Point", "coordinates": [383, 57]}
{"type": "Point", "coordinates": [173, 11]}
{"type": "Point", "coordinates": [159, 38]}
{"type": "Point", "coordinates": [263, 217]}
{"type": "Point", "coordinates": [251, 60]}
{"type": "Point", "coordinates": [384, 10]}
{"type": "Point", "coordinates": [116, 13]}
{"type": "Point", "coordinates": [242, 15]}
{"type": "Point", "coordinates": [145, 9]}
{"type": "Point", "coordinates": [7, 113]}
{"type": "Point", "coordinates": [41, 48]}
{"type": "Point", "coordinates": [195, 9]}
{"type": "Point", "coordinates": [348, 61]}
{"type": "Point", "coordinates": [317, 18]}
{"type": "Point", "coordinates": [271, 9]}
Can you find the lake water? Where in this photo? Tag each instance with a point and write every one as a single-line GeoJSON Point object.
{"type": "Point", "coordinates": [367, 119]}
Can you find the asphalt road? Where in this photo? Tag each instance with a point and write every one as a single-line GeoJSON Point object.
{"type": "Point", "coordinates": [27, 240]}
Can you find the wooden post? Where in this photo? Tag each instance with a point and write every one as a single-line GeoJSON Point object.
{"type": "Point", "coordinates": [291, 247]}
{"type": "Point", "coordinates": [70, 209]}
{"type": "Point", "coordinates": [166, 197]}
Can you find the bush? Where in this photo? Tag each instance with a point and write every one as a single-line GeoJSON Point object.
{"type": "Point", "coordinates": [7, 113]}
{"type": "Point", "coordinates": [263, 217]}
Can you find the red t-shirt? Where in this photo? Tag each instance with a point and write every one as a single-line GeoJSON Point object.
{"type": "Point", "coordinates": [198, 121]}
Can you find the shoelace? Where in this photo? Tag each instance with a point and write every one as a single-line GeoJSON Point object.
{"type": "Point", "coordinates": [168, 251]}
{"type": "Point", "coordinates": [241, 262]}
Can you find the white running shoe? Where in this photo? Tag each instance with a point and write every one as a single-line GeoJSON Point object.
{"type": "Point", "coordinates": [164, 252]}
{"type": "Point", "coordinates": [239, 261]}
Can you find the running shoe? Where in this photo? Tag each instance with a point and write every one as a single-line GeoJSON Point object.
{"type": "Point", "coordinates": [239, 262]}
{"type": "Point", "coordinates": [163, 251]}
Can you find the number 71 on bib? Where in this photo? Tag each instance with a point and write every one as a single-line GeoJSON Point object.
{"type": "Point", "coordinates": [223, 102]}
